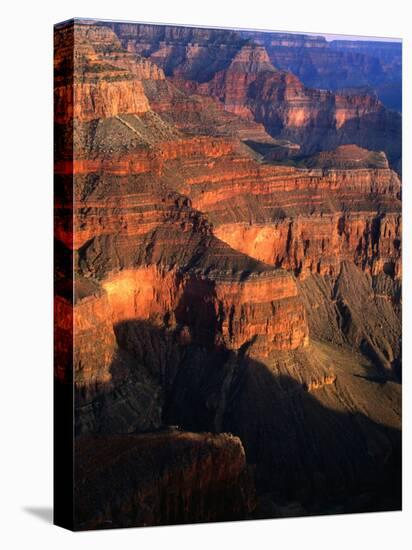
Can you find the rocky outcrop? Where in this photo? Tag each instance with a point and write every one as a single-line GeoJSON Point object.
{"type": "Point", "coordinates": [103, 98]}
{"type": "Point", "coordinates": [264, 311]}
{"type": "Point", "coordinates": [347, 157]}
{"type": "Point", "coordinates": [318, 119]}
{"type": "Point", "coordinates": [195, 309]}
{"type": "Point", "coordinates": [319, 243]}
{"type": "Point", "coordinates": [231, 86]}
{"type": "Point", "coordinates": [164, 478]}
{"type": "Point", "coordinates": [105, 80]}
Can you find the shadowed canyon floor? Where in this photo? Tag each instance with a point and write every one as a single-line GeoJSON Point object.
{"type": "Point", "coordinates": [235, 306]}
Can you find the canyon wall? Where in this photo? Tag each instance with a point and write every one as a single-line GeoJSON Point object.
{"type": "Point", "coordinates": [372, 66]}
{"type": "Point", "coordinates": [165, 478]}
{"type": "Point", "coordinates": [260, 75]}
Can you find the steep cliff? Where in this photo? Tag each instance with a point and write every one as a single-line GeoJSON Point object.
{"type": "Point", "coordinates": [164, 478]}
{"type": "Point", "coordinates": [318, 119]}
{"type": "Point", "coordinates": [231, 85]}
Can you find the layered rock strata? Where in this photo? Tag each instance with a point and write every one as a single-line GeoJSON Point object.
{"type": "Point", "coordinates": [248, 73]}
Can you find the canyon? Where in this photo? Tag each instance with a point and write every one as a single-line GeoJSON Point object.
{"type": "Point", "coordinates": [250, 74]}
{"type": "Point", "coordinates": [228, 278]}
{"type": "Point", "coordinates": [364, 66]}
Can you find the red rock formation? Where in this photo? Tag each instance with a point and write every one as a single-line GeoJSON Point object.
{"type": "Point", "coordinates": [231, 85]}
{"type": "Point", "coordinates": [348, 157]}
{"type": "Point", "coordinates": [227, 314]}
{"type": "Point", "coordinates": [263, 309]}
{"type": "Point", "coordinates": [95, 342]}
{"type": "Point", "coordinates": [105, 82]}
{"type": "Point", "coordinates": [338, 64]}
{"type": "Point", "coordinates": [284, 104]}
{"type": "Point", "coordinates": [315, 119]}
{"type": "Point", "coordinates": [146, 159]}
{"type": "Point", "coordinates": [165, 478]}
{"type": "Point", "coordinates": [240, 73]}
{"type": "Point", "coordinates": [319, 244]}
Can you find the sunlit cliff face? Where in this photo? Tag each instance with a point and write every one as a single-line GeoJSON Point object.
{"type": "Point", "coordinates": [289, 218]}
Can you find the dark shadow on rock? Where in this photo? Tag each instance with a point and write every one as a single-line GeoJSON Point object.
{"type": "Point", "coordinates": [305, 454]}
{"type": "Point", "coordinates": [303, 451]}
{"type": "Point", "coordinates": [44, 513]}
{"type": "Point", "coordinates": [371, 378]}
{"type": "Point", "coordinates": [377, 131]}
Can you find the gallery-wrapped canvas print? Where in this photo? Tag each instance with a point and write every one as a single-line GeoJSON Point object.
{"type": "Point", "coordinates": [227, 274]}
